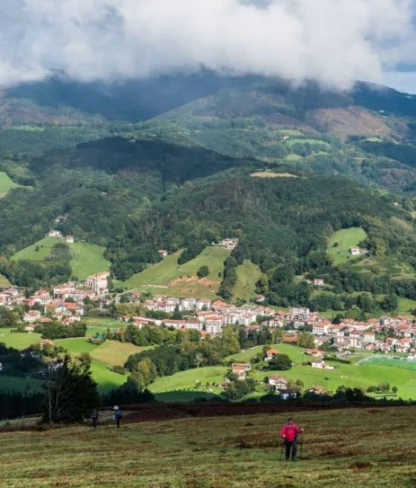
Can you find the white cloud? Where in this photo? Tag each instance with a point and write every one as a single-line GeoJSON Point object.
{"type": "Point", "coordinates": [333, 41]}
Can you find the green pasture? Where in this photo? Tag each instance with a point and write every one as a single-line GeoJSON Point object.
{"type": "Point", "coordinates": [342, 241]}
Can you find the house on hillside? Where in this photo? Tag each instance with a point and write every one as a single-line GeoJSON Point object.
{"type": "Point", "coordinates": [69, 239]}
{"type": "Point", "coordinates": [279, 382]}
{"type": "Point", "coordinates": [318, 282]}
{"type": "Point", "coordinates": [163, 252]}
{"type": "Point", "coordinates": [270, 353]}
{"type": "Point", "coordinates": [355, 251]}
{"type": "Point", "coordinates": [317, 390]}
{"type": "Point", "coordinates": [241, 370]}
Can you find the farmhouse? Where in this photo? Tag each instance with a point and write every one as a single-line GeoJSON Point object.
{"type": "Point", "coordinates": [355, 251]}
{"type": "Point", "coordinates": [163, 253]}
{"type": "Point", "coordinates": [321, 365]}
{"type": "Point", "coordinates": [240, 370]}
{"type": "Point", "coordinates": [279, 382]}
{"type": "Point", "coordinates": [318, 282]}
{"type": "Point", "coordinates": [69, 239]}
{"type": "Point", "coordinates": [317, 390]}
{"type": "Point", "coordinates": [56, 234]}
{"type": "Point", "coordinates": [229, 244]}
{"type": "Point", "coordinates": [270, 353]}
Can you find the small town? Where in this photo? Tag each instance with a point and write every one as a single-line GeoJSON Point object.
{"type": "Point", "coordinates": [65, 303]}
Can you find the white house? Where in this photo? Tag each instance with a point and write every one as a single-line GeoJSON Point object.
{"type": "Point", "coordinates": [321, 328]}
{"type": "Point", "coordinates": [212, 327]}
{"type": "Point", "coordinates": [202, 304]}
{"type": "Point", "coordinates": [355, 251]}
{"type": "Point", "coordinates": [187, 304]}
{"type": "Point", "coordinates": [32, 316]}
{"type": "Point", "coordinates": [57, 234]}
{"type": "Point", "coordinates": [163, 253]}
{"type": "Point", "coordinates": [318, 282]}
{"type": "Point", "coordinates": [69, 239]}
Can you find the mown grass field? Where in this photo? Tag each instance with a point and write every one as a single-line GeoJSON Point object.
{"type": "Point", "coordinates": [181, 384]}
{"type": "Point", "coordinates": [351, 448]}
{"type": "Point", "coordinates": [341, 241]}
{"type": "Point", "coordinates": [6, 184]}
{"type": "Point", "coordinates": [181, 280]}
{"type": "Point", "coordinates": [86, 259]}
{"type": "Point", "coordinates": [247, 276]}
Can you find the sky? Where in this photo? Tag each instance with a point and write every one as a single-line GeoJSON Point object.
{"type": "Point", "coordinates": [331, 41]}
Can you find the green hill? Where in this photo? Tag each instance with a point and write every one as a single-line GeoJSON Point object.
{"type": "Point", "coordinates": [170, 278]}
{"type": "Point", "coordinates": [350, 448]}
{"type": "Point", "coordinates": [85, 258]}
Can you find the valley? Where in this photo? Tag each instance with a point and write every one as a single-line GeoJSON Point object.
{"type": "Point", "coordinates": [166, 245]}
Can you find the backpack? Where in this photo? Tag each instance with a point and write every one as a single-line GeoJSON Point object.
{"type": "Point", "coordinates": [290, 432]}
{"type": "Point", "coordinates": [118, 414]}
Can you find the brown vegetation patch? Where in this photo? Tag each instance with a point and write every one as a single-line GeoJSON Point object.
{"type": "Point", "coordinates": [271, 174]}
{"type": "Point", "coordinates": [350, 121]}
{"type": "Point", "coordinates": [193, 280]}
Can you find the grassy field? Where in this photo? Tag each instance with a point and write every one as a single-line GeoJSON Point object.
{"type": "Point", "coordinates": [6, 184]}
{"type": "Point", "coordinates": [18, 340]}
{"type": "Point", "coordinates": [247, 276]}
{"type": "Point", "coordinates": [345, 239]}
{"type": "Point", "coordinates": [182, 280]}
{"type": "Point", "coordinates": [405, 305]}
{"type": "Point", "coordinates": [115, 353]}
{"type": "Point", "coordinates": [295, 353]}
{"type": "Point", "coordinates": [351, 448]}
{"type": "Point", "coordinates": [186, 380]}
{"type": "Point", "coordinates": [86, 258]}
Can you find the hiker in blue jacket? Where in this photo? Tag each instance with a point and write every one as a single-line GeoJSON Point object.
{"type": "Point", "coordinates": [117, 415]}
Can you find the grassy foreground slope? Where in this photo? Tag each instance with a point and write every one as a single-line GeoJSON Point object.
{"type": "Point", "coordinates": [349, 448]}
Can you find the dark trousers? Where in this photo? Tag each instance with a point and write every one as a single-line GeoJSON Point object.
{"type": "Point", "coordinates": [118, 421]}
{"type": "Point", "coordinates": [291, 447]}
{"type": "Point", "coordinates": [94, 422]}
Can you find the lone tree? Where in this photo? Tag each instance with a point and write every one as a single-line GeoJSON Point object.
{"type": "Point", "coordinates": [203, 272]}
{"type": "Point", "coordinates": [70, 394]}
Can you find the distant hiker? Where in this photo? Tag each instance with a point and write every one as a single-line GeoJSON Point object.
{"type": "Point", "coordinates": [117, 415]}
{"type": "Point", "coordinates": [289, 433]}
{"type": "Point", "coordinates": [94, 417]}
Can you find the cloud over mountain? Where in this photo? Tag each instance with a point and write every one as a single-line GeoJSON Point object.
{"type": "Point", "coordinates": [333, 41]}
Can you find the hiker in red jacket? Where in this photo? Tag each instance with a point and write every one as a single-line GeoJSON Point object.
{"type": "Point", "coordinates": [289, 433]}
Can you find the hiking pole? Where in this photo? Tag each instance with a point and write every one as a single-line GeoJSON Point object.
{"type": "Point", "coordinates": [281, 451]}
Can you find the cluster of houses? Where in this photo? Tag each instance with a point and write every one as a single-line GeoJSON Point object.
{"type": "Point", "coordinates": [57, 234]}
{"type": "Point", "coordinates": [64, 303]}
